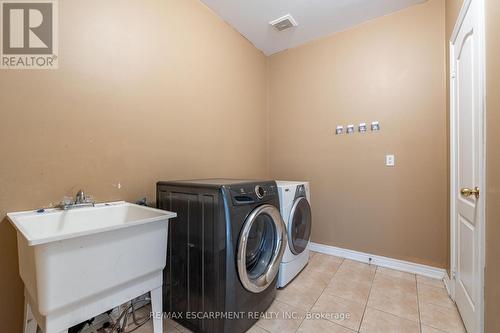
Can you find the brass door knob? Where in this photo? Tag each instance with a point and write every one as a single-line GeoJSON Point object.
{"type": "Point", "coordinates": [467, 192]}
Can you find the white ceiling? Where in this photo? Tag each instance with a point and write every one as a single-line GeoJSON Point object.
{"type": "Point", "coordinates": [315, 18]}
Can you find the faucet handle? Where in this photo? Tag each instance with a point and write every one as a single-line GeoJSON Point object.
{"type": "Point", "coordinates": [89, 199]}
{"type": "Point", "coordinates": [66, 201]}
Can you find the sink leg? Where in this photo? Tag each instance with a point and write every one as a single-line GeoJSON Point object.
{"type": "Point", "coordinates": [157, 310]}
{"type": "Point", "coordinates": [30, 324]}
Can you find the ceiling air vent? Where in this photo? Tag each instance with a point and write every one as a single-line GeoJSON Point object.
{"type": "Point", "coordinates": [284, 23]}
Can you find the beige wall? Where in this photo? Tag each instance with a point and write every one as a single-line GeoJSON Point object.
{"type": "Point", "coordinates": [146, 90]}
{"type": "Point", "coordinates": [452, 10]}
{"type": "Point", "coordinates": [391, 69]}
{"type": "Point", "coordinates": [492, 278]}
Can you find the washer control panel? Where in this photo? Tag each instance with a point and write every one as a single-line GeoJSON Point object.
{"type": "Point", "coordinates": [252, 193]}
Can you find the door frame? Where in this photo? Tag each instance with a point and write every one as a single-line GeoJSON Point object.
{"type": "Point", "coordinates": [480, 5]}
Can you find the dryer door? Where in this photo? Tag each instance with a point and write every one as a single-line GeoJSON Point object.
{"type": "Point", "coordinates": [299, 226]}
{"type": "Point", "coordinates": [260, 248]}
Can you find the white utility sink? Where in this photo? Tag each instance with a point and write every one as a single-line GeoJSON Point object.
{"type": "Point", "coordinates": [78, 263]}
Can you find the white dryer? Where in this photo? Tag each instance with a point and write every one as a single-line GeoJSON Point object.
{"type": "Point", "coordinates": [295, 209]}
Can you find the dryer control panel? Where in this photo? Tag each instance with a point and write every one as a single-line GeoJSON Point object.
{"type": "Point", "coordinates": [300, 192]}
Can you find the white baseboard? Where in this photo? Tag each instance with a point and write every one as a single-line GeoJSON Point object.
{"type": "Point", "coordinates": [400, 265]}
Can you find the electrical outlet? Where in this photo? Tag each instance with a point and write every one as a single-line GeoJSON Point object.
{"type": "Point", "coordinates": [390, 160]}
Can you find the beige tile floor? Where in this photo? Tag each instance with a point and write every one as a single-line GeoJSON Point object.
{"type": "Point", "coordinates": [376, 299]}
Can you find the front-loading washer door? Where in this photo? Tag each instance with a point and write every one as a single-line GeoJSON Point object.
{"type": "Point", "coordinates": [299, 226]}
{"type": "Point", "coordinates": [260, 248]}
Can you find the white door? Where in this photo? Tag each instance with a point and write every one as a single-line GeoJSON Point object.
{"type": "Point", "coordinates": [467, 164]}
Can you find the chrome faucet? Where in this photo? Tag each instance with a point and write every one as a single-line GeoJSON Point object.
{"type": "Point", "coordinates": [81, 200]}
{"type": "Point", "coordinates": [80, 197]}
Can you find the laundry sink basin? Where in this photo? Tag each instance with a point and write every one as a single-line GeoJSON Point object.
{"type": "Point", "coordinates": [76, 264]}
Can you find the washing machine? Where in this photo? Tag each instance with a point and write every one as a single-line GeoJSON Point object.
{"type": "Point", "coordinates": [224, 252]}
{"type": "Point", "coordinates": [295, 201]}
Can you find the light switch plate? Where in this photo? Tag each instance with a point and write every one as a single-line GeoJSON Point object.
{"type": "Point", "coordinates": [390, 160]}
